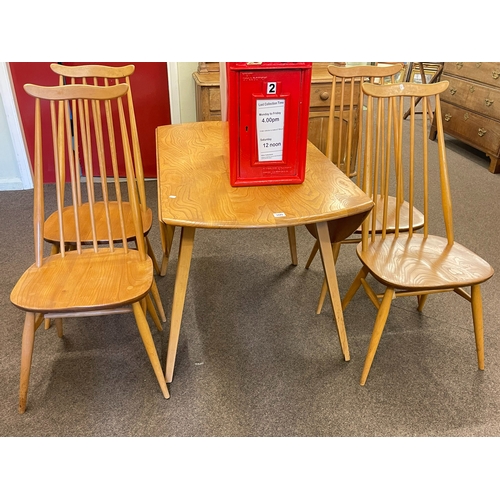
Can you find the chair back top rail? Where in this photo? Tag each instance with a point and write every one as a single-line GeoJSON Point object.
{"type": "Point", "coordinates": [405, 89]}
{"type": "Point", "coordinates": [364, 71]}
{"type": "Point", "coordinates": [92, 71]}
{"type": "Point", "coordinates": [70, 92]}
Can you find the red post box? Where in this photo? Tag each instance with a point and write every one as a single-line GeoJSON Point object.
{"type": "Point", "coordinates": [268, 113]}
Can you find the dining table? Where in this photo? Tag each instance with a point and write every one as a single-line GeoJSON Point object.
{"type": "Point", "coordinates": [194, 193]}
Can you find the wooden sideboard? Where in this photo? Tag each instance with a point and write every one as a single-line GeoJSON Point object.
{"type": "Point", "coordinates": [207, 93]}
{"type": "Point", "coordinates": [208, 105]}
{"type": "Point", "coordinates": [471, 107]}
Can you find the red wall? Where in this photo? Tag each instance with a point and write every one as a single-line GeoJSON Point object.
{"type": "Point", "coordinates": [41, 74]}
{"type": "Point", "coordinates": [149, 85]}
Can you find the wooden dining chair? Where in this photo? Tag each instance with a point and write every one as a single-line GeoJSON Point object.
{"type": "Point", "coordinates": [345, 131]}
{"type": "Point", "coordinates": [428, 73]}
{"type": "Point", "coordinates": [411, 263]}
{"type": "Point", "coordinates": [105, 276]}
{"type": "Point", "coordinates": [106, 75]}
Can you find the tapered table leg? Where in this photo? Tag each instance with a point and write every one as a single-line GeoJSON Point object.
{"type": "Point", "coordinates": [180, 287]}
{"type": "Point", "coordinates": [292, 241]}
{"type": "Point", "coordinates": [325, 248]}
{"type": "Point", "coordinates": [167, 235]}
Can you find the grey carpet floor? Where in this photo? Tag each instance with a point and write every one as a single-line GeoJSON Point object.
{"type": "Point", "coordinates": [254, 359]}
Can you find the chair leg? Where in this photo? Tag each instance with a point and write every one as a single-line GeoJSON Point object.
{"type": "Point", "coordinates": [477, 317]}
{"type": "Point", "coordinates": [363, 273]}
{"type": "Point", "coordinates": [152, 311]}
{"type": "Point", "coordinates": [59, 327]}
{"type": "Point", "coordinates": [383, 312]}
{"type": "Point", "coordinates": [154, 288]}
{"type": "Point", "coordinates": [152, 256]}
{"type": "Point", "coordinates": [421, 301]}
{"type": "Point", "coordinates": [156, 297]}
{"type": "Point", "coordinates": [147, 339]}
{"type": "Point", "coordinates": [314, 251]}
{"type": "Point", "coordinates": [39, 319]}
{"type": "Point", "coordinates": [26, 357]}
{"type": "Point", "coordinates": [292, 241]}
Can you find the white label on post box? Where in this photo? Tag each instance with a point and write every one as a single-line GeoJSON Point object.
{"type": "Point", "coordinates": [270, 126]}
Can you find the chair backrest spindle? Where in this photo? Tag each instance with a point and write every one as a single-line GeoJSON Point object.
{"type": "Point", "coordinates": [443, 168]}
{"type": "Point", "coordinates": [111, 75]}
{"type": "Point", "coordinates": [426, 166]}
{"type": "Point", "coordinates": [394, 171]}
{"type": "Point", "coordinates": [57, 131]}
{"type": "Point", "coordinates": [38, 213]}
{"type": "Point", "coordinates": [89, 124]}
{"type": "Point", "coordinates": [345, 121]}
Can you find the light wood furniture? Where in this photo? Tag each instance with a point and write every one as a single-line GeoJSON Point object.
{"type": "Point", "coordinates": [410, 263]}
{"type": "Point", "coordinates": [471, 106]}
{"type": "Point", "coordinates": [194, 192]}
{"type": "Point", "coordinates": [320, 109]}
{"type": "Point", "coordinates": [106, 75]}
{"type": "Point", "coordinates": [207, 95]}
{"type": "Point", "coordinates": [427, 73]}
{"type": "Point", "coordinates": [114, 168]}
{"type": "Point", "coordinates": [344, 137]}
{"type": "Point", "coordinates": [208, 108]}
{"type": "Point", "coordinates": [208, 100]}
{"type": "Point", "coordinates": [401, 77]}
{"type": "Point", "coordinates": [95, 280]}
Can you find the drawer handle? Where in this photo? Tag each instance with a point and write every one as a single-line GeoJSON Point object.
{"type": "Point", "coordinates": [481, 132]}
{"type": "Point", "coordinates": [471, 89]}
{"type": "Point", "coordinates": [459, 65]}
{"type": "Point", "coordinates": [447, 117]}
{"type": "Point", "coordinates": [453, 91]}
{"type": "Point", "coordinates": [495, 74]}
{"type": "Point", "coordinates": [324, 96]}
{"type": "Point", "coordinates": [488, 102]}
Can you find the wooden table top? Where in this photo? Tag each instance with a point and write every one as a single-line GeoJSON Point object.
{"type": "Point", "coordinates": [194, 188]}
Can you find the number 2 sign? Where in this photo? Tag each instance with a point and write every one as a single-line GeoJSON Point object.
{"type": "Point", "coordinates": [271, 87]}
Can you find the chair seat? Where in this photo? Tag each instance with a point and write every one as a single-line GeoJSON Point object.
{"type": "Point", "coordinates": [404, 216]}
{"type": "Point", "coordinates": [51, 226]}
{"type": "Point", "coordinates": [418, 263]}
{"type": "Point", "coordinates": [62, 283]}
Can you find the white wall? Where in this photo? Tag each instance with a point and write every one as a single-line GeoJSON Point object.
{"type": "Point", "coordinates": [9, 171]}
{"type": "Point", "coordinates": [187, 91]}
{"type": "Point", "coordinates": [15, 171]}
{"type": "Point", "coordinates": [182, 91]}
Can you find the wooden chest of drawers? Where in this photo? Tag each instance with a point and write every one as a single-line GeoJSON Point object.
{"type": "Point", "coordinates": [207, 94]}
{"type": "Point", "coordinates": [471, 107]}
